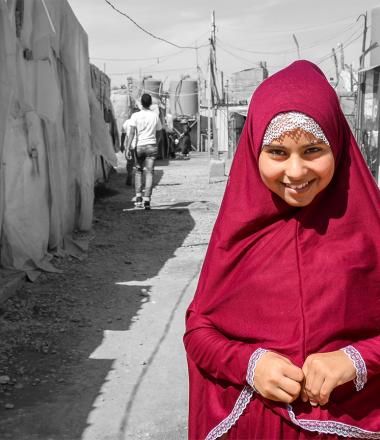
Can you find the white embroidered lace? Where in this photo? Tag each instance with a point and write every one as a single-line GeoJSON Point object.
{"type": "Point", "coordinates": [359, 364]}
{"type": "Point", "coordinates": [226, 424]}
{"type": "Point", "coordinates": [331, 427]}
{"type": "Point", "coordinates": [256, 356]}
{"type": "Point", "coordinates": [287, 122]}
{"type": "Point", "coordinates": [245, 396]}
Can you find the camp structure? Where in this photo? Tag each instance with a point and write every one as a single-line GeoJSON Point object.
{"type": "Point", "coordinates": [52, 131]}
{"type": "Point", "coordinates": [101, 85]}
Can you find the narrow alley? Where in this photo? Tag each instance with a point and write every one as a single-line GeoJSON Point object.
{"type": "Point", "coordinates": [95, 352]}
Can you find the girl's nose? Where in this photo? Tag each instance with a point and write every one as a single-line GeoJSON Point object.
{"type": "Point", "coordinates": [295, 168]}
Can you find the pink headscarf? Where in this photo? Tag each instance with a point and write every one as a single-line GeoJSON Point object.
{"type": "Point", "coordinates": [293, 280]}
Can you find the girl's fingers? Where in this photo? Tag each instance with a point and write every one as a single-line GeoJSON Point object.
{"type": "Point", "coordinates": [280, 395]}
{"type": "Point", "coordinates": [293, 372]}
{"type": "Point", "coordinates": [290, 387]}
{"type": "Point", "coordinates": [303, 394]}
{"type": "Point", "coordinates": [326, 389]}
{"type": "Point", "coordinates": [314, 383]}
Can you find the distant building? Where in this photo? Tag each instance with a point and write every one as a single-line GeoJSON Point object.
{"type": "Point", "coordinates": [243, 83]}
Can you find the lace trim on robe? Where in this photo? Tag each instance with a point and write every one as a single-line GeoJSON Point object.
{"type": "Point", "coordinates": [359, 364]}
{"type": "Point", "coordinates": [256, 356]}
{"type": "Point", "coordinates": [242, 401]}
{"type": "Point", "coordinates": [226, 424]}
{"type": "Point", "coordinates": [331, 427]}
{"type": "Point", "coordinates": [320, 426]}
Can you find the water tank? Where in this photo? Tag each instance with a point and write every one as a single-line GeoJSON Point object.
{"type": "Point", "coordinates": [375, 36]}
{"type": "Point", "coordinates": [153, 87]}
{"type": "Point", "coordinates": [183, 97]}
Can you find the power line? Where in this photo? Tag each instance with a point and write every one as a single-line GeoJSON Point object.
{"type": "Point", "coordinates": [328, 56]}
{"type": "Point", "coordinates": [308, 28]}
{"type": "Point", "coordinates": [136, 59]}
{"type": "Point", "coordinates": [238, 57]}
{"type": "Point", "coordinates": [159, 59]}
{"type": "Point", "coordinates": [150, 33]}
{"type": "Point", "coordinates": [146, 70]}
{"type": "Point", "coordinates": [255, 52]}
{"type": "Point", "coordinates": [288, 51]}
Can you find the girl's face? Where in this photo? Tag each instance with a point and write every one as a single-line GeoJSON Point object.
{"type": "Point", "coordinates": [297, 170]}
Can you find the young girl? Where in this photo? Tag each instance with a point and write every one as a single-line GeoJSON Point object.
{"type": "Point", "coordinates": [283, 334]}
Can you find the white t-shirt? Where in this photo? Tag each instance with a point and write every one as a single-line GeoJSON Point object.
{"type": "Point", "coordinates": [147, 123]}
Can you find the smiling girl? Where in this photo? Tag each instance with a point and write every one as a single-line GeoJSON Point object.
{"type": "Point", "coordinates": [283, 334]}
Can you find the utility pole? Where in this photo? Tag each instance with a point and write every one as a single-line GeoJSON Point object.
{"type": "Point", "coordinates": [223, 91]}
{"type": "Point", "coordinates": [199, 100]}
{"type": "Point", "coordinates": [213, 34]}
{"type": "Point", "coordinates": [336, 67]}
{"type": "Point", "coordinates": [209, 93]}
{"type": "Point", "coordinates": [229, 149]}
{"type": "Point", "coordinates": [360, 92]}
{"type": "Point", "coordinates": [341, 50]}
{"type": "Point", "coordinates": [213, 86]}
{"type": "Point", "coordinates": [297, 45]}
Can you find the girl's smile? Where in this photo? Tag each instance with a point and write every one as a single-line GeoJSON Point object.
{"type": "Point", "coordinates": [303, 187]}
{"type": "Point", "coordinates": [297, 168]}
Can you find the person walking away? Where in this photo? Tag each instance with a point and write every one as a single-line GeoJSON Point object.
{"type": "Point", "coordinates": [283, 334]}
{"type": "Point", "coordinates": [146, 128]}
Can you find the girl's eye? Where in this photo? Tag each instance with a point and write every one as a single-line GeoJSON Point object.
{"type": "Point", "coordinates": [312, 150]}
{"type": "Point", "coordinates": [276, 152]}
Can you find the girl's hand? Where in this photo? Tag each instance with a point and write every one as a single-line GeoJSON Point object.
{"type": "Point", "coordinates": [324, 372]}
{"type": "Point", "coordinates": [276, 378]}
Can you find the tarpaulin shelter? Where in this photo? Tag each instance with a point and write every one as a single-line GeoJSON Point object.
{"type": "Point", "coordinates": [124, 104]}
{"type": "Point", "coordinates": [369, 125]}
{"type": "Point", "coordinates": [51, 131]}
{"type": "Point", "coordinates": [101, 85]}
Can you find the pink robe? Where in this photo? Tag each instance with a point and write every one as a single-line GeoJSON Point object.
{"type": "Point", "coordinates": [295, 281]}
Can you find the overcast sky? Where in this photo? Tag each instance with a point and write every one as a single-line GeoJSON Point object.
{"type": "Point", "coordinates": [248, 31]}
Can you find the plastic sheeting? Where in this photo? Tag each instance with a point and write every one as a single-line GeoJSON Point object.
{"type": "Point", "coordinates": [123, 104]}
{"type": "Point", "coordinates": [51, 132]}
{"type": "Point", "coordinates": [101, 86]}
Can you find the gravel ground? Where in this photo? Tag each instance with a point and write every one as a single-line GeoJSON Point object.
{"type": "Point", "coordinates": [50, 327]}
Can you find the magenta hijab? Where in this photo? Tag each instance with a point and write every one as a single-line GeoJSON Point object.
{"type": "Point", "coordinates": [293, 280]}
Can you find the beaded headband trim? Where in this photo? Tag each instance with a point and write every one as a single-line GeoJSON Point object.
{"type": "Point", "coordinates": [293, 124]}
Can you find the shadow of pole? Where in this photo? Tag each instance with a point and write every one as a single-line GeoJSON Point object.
{"type": "Point", "coordinates": [125, 420]}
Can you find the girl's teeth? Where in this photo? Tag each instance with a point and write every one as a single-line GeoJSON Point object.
{"type": "Point", "coordinates": [304, 185]}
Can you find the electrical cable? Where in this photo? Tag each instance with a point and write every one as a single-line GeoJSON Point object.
{"type": "Point", "coordinates": [328, 56]}
{"type": "Point", "coordinates": [308, 28]}
{"type": "Point", "coordinates": [352, 38]}
{"type": "Point", "coordinates": [315, 44]}
{"type": "Point", "coordinates": [146, 70]}
{"type": "Point", "coordinates": [251, 63]}
{"type": "Point", "coordinates": [138, 59]}
{"type": "Point", "coordinates": [150, 33]}
{"type": "Point", "coordinates": [160, 58]}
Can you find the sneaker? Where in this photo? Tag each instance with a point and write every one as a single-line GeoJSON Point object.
{"type": "Point", "coordinates": [139, 203]}
{"type": "Point", "coordinates": [146, 204]}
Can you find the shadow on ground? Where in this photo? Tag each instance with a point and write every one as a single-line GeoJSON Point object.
{"type": "Point", "coordinates": [48, 383]}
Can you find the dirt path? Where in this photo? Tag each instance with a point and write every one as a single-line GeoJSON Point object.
{"type": "Point", "coordinates": [95, 353]}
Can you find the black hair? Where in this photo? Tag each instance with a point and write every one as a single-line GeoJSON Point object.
{"type": "Point", "coordinates": [146, 100]}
